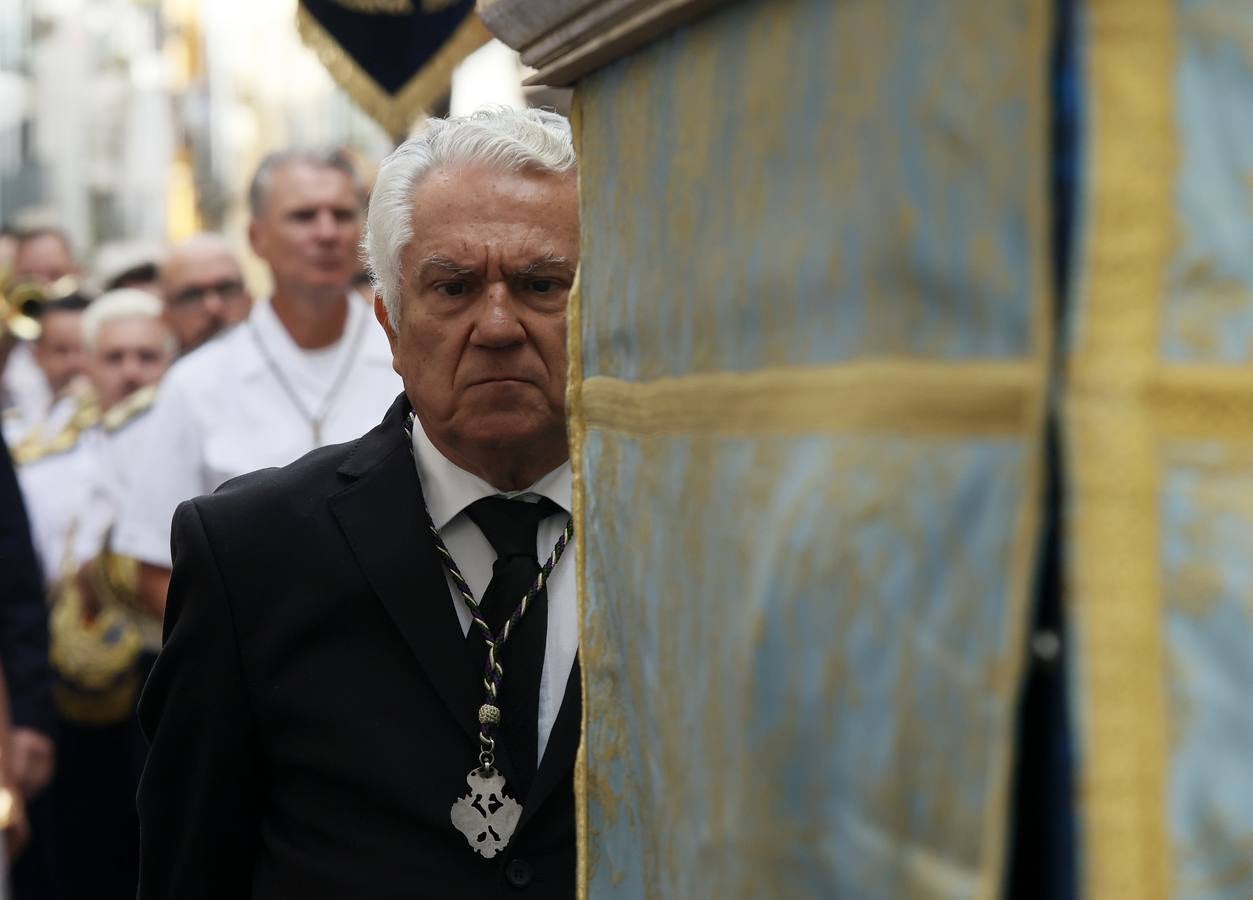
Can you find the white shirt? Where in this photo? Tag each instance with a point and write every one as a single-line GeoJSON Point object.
{"type": "Point", "coordinates": [222, 412]}
{"type": "Point", "coordinates": [73, 497]}
{"type": "Point", "coordinates": [58, 492]}
{"type": "Point", "coordinates": [26, 390]}
{"type": "Point", "coordinates": [448, 490]}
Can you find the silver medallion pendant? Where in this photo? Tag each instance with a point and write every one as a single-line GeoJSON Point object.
{"type": "Point", "coordinates": [487, 815]}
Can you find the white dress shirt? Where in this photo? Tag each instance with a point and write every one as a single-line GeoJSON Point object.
{"type": "Point", "coordinates": [448, 490]}
{"type": "Point", "coordinates": [73, 497]}
{"type": "Point", "coordinates": [222, 412]}
{"type": "Point", "coordinates": [58, 492]}
{"type": "Point", "coordinates": [26, 390]}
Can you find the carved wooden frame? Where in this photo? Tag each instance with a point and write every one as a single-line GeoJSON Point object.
{"type": "Point", "coordinates": [566, 39]}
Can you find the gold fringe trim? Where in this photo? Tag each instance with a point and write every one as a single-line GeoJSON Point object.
{"type": "Point", "coordinates": [381, 7]}
{"type": "Point", "coordinates": [578, 432]}
{"type": "Point", "coordinates": [1116, 587]}
{"type": "Point", "coordinates": [395, 113]}
{"type": "Point", "coordinates": [901, 396]}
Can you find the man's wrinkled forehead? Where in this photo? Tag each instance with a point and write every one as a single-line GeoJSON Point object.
{"type": "Point", "coordinates": [207, 266]}
{"type": "Point", "coordinates": [489, 261]}
{"type": "Point", "coordinates": [302, 182]}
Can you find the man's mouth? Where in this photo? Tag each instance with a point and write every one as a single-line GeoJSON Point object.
{"type": "Point", "coordinates": [500, 379]}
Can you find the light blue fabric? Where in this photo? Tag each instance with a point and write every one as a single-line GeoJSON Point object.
{"type": "Point", "coordinates": [879, 205]}
{"type": "Point", "coordinates": [1208, 315]}
{"type": "Point", "coordinates": [799, 687]}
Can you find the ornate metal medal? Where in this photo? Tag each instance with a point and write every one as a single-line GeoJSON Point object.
{"type": "Point", "coordinates": [487, 815]}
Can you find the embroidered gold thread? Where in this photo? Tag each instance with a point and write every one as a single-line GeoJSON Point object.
{"type": "Point", "coordinates": [1200, 401]}
{"type": "Point", "coordinates": [1116, 581]}
{"type": "Point", "coordinates": [395, 113]}
{"type": "Point", "coordinates": [895, 395]}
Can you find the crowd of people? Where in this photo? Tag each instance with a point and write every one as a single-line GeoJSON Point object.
{"type": "Point", "coordinates": [158, 383]}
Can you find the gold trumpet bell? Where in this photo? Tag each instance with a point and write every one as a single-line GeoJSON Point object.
{"type": "Point", "coordinates": [22, 305]}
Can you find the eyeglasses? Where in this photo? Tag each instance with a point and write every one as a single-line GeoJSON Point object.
{"type": "Point", "coordinates": [194, 295]}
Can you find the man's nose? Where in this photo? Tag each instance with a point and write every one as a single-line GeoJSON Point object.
{"type": "Point", "coordinates": [325, 227]}
{"type": "Point", "coordinates": [498, 324]}
{"type": "Point", "coordinates": [132, 371]}
{"type": "Point", "coordinates": [214, 305]}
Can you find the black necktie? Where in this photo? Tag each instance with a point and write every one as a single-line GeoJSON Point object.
{"type": "Point", "coordinates": [511, 526]}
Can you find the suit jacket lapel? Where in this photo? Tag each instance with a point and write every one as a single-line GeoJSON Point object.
{"type": "Point", "coordinates": [563, 743]}
{"type": "Point", "coordinates": [383, 517]}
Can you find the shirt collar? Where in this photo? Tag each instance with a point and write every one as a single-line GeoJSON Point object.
{"type": "Point", "coordinates": [276, 339]}
{"type": "Point", "coordinates": [448, 489]}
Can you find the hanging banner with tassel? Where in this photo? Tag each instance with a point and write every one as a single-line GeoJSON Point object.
{"type": "Point", "coordinates": [394, 57]}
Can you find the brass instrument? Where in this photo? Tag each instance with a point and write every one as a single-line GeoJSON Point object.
{"type": "Point", "coordinates": [93, 652]}
{"type": "Point", "coordinates": [22, 305]}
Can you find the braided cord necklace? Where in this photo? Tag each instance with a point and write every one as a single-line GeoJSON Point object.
{"type": "Point", "coordinates": [318, 419]}
{"type": "Point", "coordinates": [487, 816]}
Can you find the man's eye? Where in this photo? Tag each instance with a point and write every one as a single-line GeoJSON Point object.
{"type": "Point", "coordinates": [543, 285]}
{"type": "Point", "coordinates": [452, 288]}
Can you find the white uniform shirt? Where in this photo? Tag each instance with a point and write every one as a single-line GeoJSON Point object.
{"type": "Point", "coordinates": [44, 426]}
{"type": "Point", "coordinates": [58, 492]}
{"type": "Point", "coordinates": [72, 498]}
{"type": "Point", "coordinates": [26, 392]}
{"type": "Point", "coordinates": [222, 412]}
{"type": "Point", "coordinates": [448, 490]}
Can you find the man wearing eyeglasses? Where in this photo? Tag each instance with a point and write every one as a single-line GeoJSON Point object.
{"type": "Point", "coordinates": [306, 368]}
{"type": "Point", "coordinates": [204, 290]}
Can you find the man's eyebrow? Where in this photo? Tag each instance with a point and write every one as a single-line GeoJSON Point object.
{"type": "Point", "coordinates": [445, 264]}
{"type": "Point", "coordinates": [546, 262]}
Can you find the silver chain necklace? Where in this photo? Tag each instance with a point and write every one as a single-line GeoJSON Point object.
{"type": "Point", "coordinates": [315, 422]}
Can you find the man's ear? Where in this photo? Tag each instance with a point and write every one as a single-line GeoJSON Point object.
{"type": "Point", "coordinates": [254, 238]}
{"type": "Point", "coordinates": [380, 313]}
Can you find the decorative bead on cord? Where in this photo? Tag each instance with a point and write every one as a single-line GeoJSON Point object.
{"type": "Point", "coordinates": [493, 672]}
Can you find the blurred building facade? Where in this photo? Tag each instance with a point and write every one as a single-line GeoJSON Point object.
{"type": "Point", "coordinates": [143, 119]}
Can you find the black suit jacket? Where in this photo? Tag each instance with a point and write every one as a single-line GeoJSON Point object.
{"type": "Point", "coordinates": [23, 611]}
{"type": "Point", "coordinates": [313, 713]}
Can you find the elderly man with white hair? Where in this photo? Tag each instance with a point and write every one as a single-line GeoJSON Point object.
{"type": "Point", "coordinates": [369, 684]}
{"type": "Point", "coordinates": [127, 346]}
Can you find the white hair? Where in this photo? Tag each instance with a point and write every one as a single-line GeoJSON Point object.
{"type": "Point", "coordinates": [123, 303]}
{"type": "Point", "coordinates": [511, 139]}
